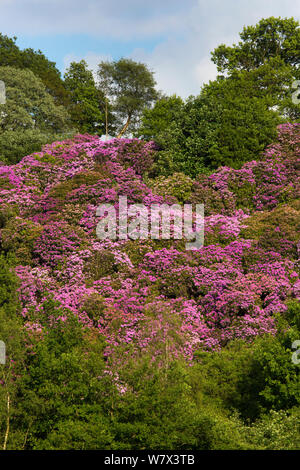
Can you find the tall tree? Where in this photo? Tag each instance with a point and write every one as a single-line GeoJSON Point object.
{"type": "Point", "coordinates": [30, 117]}
{"type": "Point", "coordinates": [130, 86]}
{"type": "Point", "coordinates": [87, 101]}
{"type": "Point", "coordinates": [37, 62]}
{"type": "Point", "coordinates": [156, 119]}
{"type": "Point", "coordinates": [274, 41]}
{"type": "Point", "coordinates": [270, 37]}
{"type": "Point", "coordinates": [229, 123]}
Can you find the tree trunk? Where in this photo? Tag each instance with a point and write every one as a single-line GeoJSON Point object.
{"type": "Point", "coordinates": [7, 423]}
{"type": "Point", "coordinates": [7, 410]}
{"type": "Point", "coordinates": [106, 118]}
{"type": "Point", "coordinates": [125, 127]}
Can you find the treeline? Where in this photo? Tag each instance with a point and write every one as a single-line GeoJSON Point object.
{"type": "Point", "coordinates": [42, 107]}
{"type": "Point", "coordinates": [230, 122]}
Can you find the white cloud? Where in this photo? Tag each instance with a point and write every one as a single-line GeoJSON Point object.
{"type": "Point", "coordinates": [91, 58]}
{"type": "Point", "coordinates": [205, 70]}
{"type": "Point", "coordinates": [183, 65]}
{"type": "Point", "coordinates": [136, 18]}
{"type": "Point", "coordinates": [115, 19]}
{"type": "Point", "coordinates": [185, 32]}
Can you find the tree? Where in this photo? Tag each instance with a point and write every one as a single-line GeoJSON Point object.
{"type": "Point", "coordinates": [156, 120]}
{"type": "Point", "coordinates": [185, 143]}
{"type": "Point", "coordinates": [9, 51]}
{"type": "Point", "coordinates": [270, 37]}
{"type": "Point", "coordinates": [87, 102]}
{"type": "Point", "coordinates": [229, 123]}
{"type": "Point", "coordinates": [130, 86]}
{"type": "Point", "coordinates": [246, 122]}
{"type": "Point", "coordinates": [235, 117]}
{"type": "Point", "coordinates": [105, 85]}
{"type": "Point", "coordinates": [37, 62]}
{"type": "Point", "coordinates": [30, 117]}
{"type": "Point", "coordinates": [13, 336]}
{"type": "Point", "coordinates": [271, 40]}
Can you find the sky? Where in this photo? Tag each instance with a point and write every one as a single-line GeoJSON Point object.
{"type": "Point", "coordinates": [174, 38]}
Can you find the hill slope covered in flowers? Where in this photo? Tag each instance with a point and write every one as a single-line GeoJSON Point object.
{"type": "Point", "coordinates": [153, 295]}
{"type": "Point", "coordinates": [142, 344]}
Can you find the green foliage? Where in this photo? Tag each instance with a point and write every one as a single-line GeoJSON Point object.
{"type": "Point", "coordinates": [276, 431]}
{"type": "Point", "coordinates": [246, 123]}
{"type": "Point", "coordinates": [160, 412]}
{"type": "Point", "coordinates": [235, 116]}
{"type": "Point", "coordinates": [8, 284]}
{"type": "Point", "coordinates": [177, 185]}
{"type": "Point", "coordinates": [271, 40]}
{"type": "Point", "coordinates": [251, 379]}
{"type": "Point", "coordinates": [270, 37]}
{"type": "Point", "coordinates": [94, 307]}
{"type": "Point", "coordinates": [30, 117]}
{"type": "Point", "coordinates": [12, 333]}
{"type": "Point", "coordinates": [277, 230]}
{"type": "Point", "coordinates": [61, 190]}
{"type": "Point", "coordinates": [273, 379]}
{"type": "Point", "coordinates": [131, 87]}
{"type": "Point", "coordinates": [7, 212]}
{"type": "Point", "coordinates": [15, 144]}
{"type": "Point", "coordinates": [11, 55]}
{"type": "Point", "coordinates": [185, 143]}
{"type": "Point", "coordinates": [157, 119]}
{"type": "Point", "coordinates": [229, 123]}
{"type": "Point", "coordinates": [293, 314]}
{"type": "Point", "coordinates": [87, 429]}
{"type": "Point", "coordinates": [87, 102]}
{"type": "Point", "coordinates": [137, 249]}
{"type": "Point", "coordinates": [28, 105]}
{"type": "Point", "coordinates": [61, 384]}
{"type": "Point", "coordinates": [66, 400]}
{"type": "Point", "coordinates": [100, 264]}
{"type": "Point", "coordinates": [19, 236]}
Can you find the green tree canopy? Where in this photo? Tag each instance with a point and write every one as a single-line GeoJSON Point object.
{"type": "Point", "coordinates": [235, 116]}
{"type": "Point", "coordinates": [229, 123]}
{"type": "Point", "coordinates": [87, 101]}
{"type": "Point", "coordinates": [30, 117]}
{"type": "Point", "coordinates": [273, 41]}
{"type": "Point", "coordinates": [130, 86]}
{"type": "Point", "coordinates": [270, 37]}
{"type": "Point", "coordinates": [156, 119]}
{"type": "Point", "coordinates": [37, 62]}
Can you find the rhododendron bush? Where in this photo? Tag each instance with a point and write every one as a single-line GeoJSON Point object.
{"type": "Point", "coordinates": [154, 295]}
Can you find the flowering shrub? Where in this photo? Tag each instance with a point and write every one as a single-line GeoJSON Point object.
{"type": "Point", "coordinates": [257, 185]}
{"type": "Point", "coordinates": [131, 153]}
{"type": "Point", "coordinates": [56, 242]}
{"type": "Point", "coordinates": [277, 230]}
{"type": "Point", "coordinates": [153, 295]}
{"type": "Point", "coordinates": [178, 185]}
{"type": "Point", "coordinates": [19, 235]}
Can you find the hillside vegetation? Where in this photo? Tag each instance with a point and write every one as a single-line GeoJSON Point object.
{"type": "Point", "coordinates": [132, 344]}
{"type": "Point", "coordinates": [128, 343]}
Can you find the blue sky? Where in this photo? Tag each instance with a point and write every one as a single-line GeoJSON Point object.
{"type": "Point", "coordinates": [173, 37]}
{"type": "Point", "coordinates": [60, 46]}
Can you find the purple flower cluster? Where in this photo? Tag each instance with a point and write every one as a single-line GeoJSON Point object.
{"type": "Point", "coordinates": [152, 295]}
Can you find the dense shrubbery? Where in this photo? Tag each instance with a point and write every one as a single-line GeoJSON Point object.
{"type": "Point", "coordinates": [30, 116]}
{"type": "Point", "coordinates": [142, 344]}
